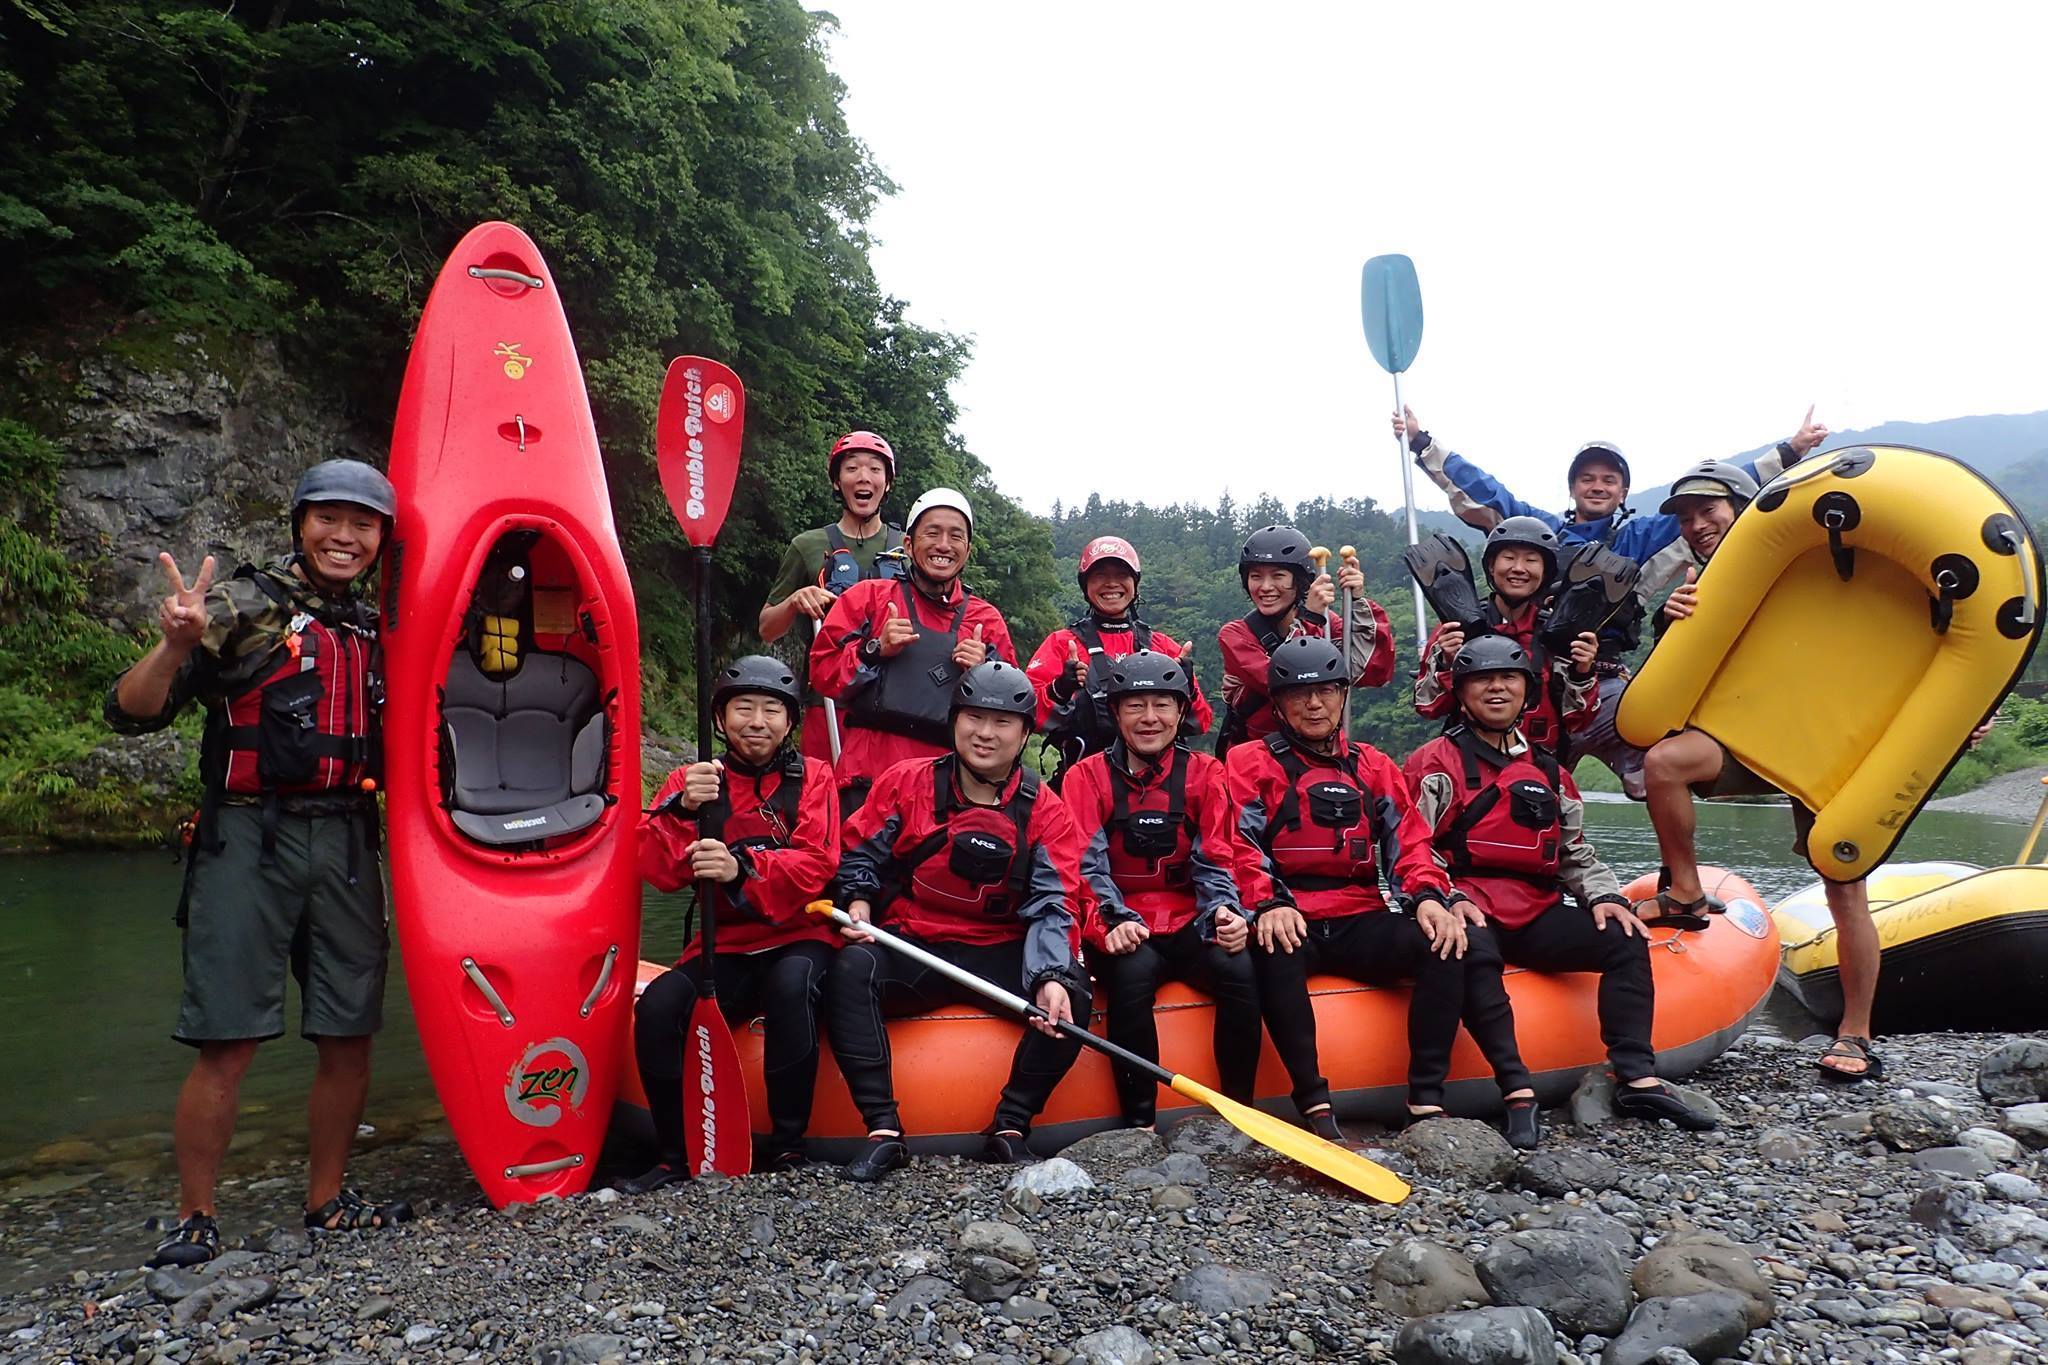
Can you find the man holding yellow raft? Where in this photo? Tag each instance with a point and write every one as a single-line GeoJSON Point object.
{"type": "Point", "coordinates": [1706, 500]}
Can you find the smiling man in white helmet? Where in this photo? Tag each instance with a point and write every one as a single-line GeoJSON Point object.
{"type": "Point", "coordinates": [890, 650]}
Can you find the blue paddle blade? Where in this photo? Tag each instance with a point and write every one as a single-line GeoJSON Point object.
{"type": "Point", "coordinates": [1393, 312]}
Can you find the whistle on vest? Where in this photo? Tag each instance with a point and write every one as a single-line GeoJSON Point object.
{"type": "Point", "coordinates": [295, 640]}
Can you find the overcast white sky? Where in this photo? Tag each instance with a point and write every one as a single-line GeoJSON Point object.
{"type": "Point", "coordinates": [1670, 228]}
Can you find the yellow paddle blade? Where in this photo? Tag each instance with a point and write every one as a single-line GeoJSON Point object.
{"type": "Point", "coordinates": [1369, 1178]}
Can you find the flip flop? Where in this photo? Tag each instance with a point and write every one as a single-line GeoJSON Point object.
{"type": "Point", "coordinates": [1850, 1048]}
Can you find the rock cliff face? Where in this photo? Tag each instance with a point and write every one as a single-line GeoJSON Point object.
{"type": "Point", "coordinates": [196, 458]}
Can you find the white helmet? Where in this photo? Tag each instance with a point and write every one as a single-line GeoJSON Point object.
{"type": "Point", "coordinates": [941, 497]}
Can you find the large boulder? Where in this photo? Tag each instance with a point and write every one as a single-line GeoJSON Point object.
{"type": "Point", "coordinates": [1463, 1150]}
{"type": "Point", "coordinates": [1914, 1125]}
{"type": "Point", "coordinates": [1482, 1336]}
{"type": "Point", "coordinates": [1704, 1326]}
{"type": "Point", "coordinates": [1416, 1277]}
{"type": "Point", "coordinates": [1701, 1262]}
{"type": "Point", "coordinates": [2015, 1072]}
{"type": "Point", "coordinates": [1577, 1280]}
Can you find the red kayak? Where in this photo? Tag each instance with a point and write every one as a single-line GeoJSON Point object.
{"type": "Point", "coordinates": [512, 726]}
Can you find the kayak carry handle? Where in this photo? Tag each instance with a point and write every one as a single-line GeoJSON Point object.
{"type": "Point", "coordinates": [604, 978]}
{"type": "Point", "coordinates": [490, 993]}
{"type": "Point", "coordinates": [560, 1163]}
{"type": "Point", "coordinates": [490, 272]}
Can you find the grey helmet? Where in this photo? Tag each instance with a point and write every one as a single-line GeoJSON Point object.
{"type": "Point", "coordinates": [1712, 479]}
{"type": "Point", "coordinates": [344, 481]}
{"type": "Point", "coordinates": [1598, 452]}
{"type": "Point", "coordinates": [996, 686]}
{"type": "Point", "coordinates": [1148, 670]}
{"type": "Point", "coordinates": [1305, 661]}
{"type": "Point", "coordinates": [1528, 532]}
{"type": "Point", "coordinates": [1491, 654]}
{"type": "Point", "coordinates": [756, 673]}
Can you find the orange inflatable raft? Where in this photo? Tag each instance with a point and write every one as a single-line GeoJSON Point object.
{"type": "Point", "coordinates": [950, 1064]}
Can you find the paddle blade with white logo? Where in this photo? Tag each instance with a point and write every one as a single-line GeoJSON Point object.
{"type": "Point", "coordinates": [718, 1131]}
{"type": "Point", "coordinates": [697, 443]}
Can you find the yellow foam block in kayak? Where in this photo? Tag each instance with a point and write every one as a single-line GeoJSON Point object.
{"type": "Point", "coordinates": [1859, 620]}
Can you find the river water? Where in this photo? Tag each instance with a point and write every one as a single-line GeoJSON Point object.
{"type": "Point", "coordinates": [89, 976]}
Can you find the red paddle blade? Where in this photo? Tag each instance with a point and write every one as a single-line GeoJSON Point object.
{"type": "Point", "coordinates": [697, 443]}
{"type": "Point", "coordinates": [718, 1131]}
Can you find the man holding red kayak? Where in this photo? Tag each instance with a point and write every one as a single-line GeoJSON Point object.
{"type": "Point", "coordinates": [1071, 668]}
{"type": "Point", "coordinates": [760, 825]}
{"type": "Point", "coordinates": [1161, 901]}
{"type": "Point", "coordinates": [892, 650]}
{"type": "Point", "coordinates": [282, 869]}
{"type": "Point", "coordinates": [824, 562]}
{"type": "Point", "coordinates": [972, 857]}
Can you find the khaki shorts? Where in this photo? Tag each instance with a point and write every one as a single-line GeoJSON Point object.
{"type": "Point", "coordinates": [1736, 779]}
{"type": "Point", "coordinates": [249, 924]}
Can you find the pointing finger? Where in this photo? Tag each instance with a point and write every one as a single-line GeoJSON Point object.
{"type": "Point", "coordinates": [1809, 416]}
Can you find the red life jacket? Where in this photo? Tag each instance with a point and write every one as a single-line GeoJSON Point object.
{"type": "Point", "coordinates": [756, 824]}
{"type": "Point", "coordinates": [1321, 837]}
{"type": "Point", "coordinates": [1505, 842]}
{"type": "Point", "coordinates": [308, 724]}
{"type": "Point", "coordinates": [1151, 840]}
{"type": "Point", "coordinates": [965, 880]}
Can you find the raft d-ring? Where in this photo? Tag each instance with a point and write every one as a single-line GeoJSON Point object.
{"type": "Point", "coordinates": [1676, 943]}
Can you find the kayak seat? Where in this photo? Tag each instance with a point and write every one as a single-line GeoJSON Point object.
{"type": "Point", "coordinates": [523, 754]}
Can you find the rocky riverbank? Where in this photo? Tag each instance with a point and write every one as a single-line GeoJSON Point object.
{"type": "Point", "coordinates": [1879, 1222]}
{"type": "Point", "coordinates": [2010, 796]}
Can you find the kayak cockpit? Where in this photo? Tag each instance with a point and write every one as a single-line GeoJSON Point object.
{"type": "Point", "coordinates": [523, 725]}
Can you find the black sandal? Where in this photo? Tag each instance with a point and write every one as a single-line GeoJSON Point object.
{"type": "Point", "coordinates": [193, 1242]}
{"type": "Point", "coordinates": [1688, 916]}
{"type": "Point", "coordinates": [1850, 1048]}
{"type": "Point", "coordinates": [350, 1212]}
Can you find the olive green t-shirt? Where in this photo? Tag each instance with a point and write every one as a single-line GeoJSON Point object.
{"type": "Point", "coordinates": [805, 559]}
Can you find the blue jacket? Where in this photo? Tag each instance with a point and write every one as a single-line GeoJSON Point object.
{"type": "Point", "coordinates": [1651, 540]}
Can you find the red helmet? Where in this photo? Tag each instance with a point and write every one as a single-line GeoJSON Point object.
{"type": "Point", "coordinates": [861, 440]}
{"type": "Point", "coordinates": [1108, 547]}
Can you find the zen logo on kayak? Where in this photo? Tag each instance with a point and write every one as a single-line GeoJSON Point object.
{"type": "Point", "coordinates": [516, 364]}
{"type": "Point", "coordinates": [693, 427]}
{"type": "Point", "coordinates": [550, 1076]}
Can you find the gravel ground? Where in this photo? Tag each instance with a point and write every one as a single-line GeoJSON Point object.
{"type": "Point", "coordinates": [1850, 1249]}
{"type": "Point", "coordinates": [2015, 796]}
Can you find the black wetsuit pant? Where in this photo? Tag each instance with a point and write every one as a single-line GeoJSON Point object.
{"type": "Point", "coordinates": [1378, 948]}
{"type": "Point", "coordinates": [783, 986]}
{"type": "Point", "coordinates": [1565, 939]}
{"type": "Point", "coordinates": [1130, 982]}
{"type": "Point", "coordinates": [871, 983]}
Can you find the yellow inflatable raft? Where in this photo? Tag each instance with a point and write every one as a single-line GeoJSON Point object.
{"type": "Point", "coordinates": [1859, 620]}
{"type": "Point", "coordinates": [1965, 948]}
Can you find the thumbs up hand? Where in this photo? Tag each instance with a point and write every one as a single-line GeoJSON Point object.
{"type": "Point", "coordinates": [1684, 598]}
{"type": "Point", "coordinates": [898, 633]}
{"type": "Point", "coordinates": [1074, 668]}
{"type": "Point", "coordinates": [969, 649]}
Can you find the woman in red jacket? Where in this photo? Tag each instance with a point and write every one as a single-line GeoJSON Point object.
{"type": "Point", "coordinates": [761, 825]}
{"type": "Point", "coordinates": [1071, 669]}
{"type": "Point", "coordinates": [1320, 821]}
{"type": "Point", "coordinates": [1161, 904]}
{"type": "Point", "coordinates": [970, 856]}
{"type": "Point", "coordinates": [1508, 822]}
{"type": "Point", "coordinates": [1291, 598]}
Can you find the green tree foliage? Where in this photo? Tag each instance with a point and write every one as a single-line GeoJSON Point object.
{"type": "Point", "coordinates": [303, 169]}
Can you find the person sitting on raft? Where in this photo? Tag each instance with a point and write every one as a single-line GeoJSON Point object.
{"type": "Point", "coordinates": [892, 650]}
{"type": "Point", "coordinates": [1597, 480]}
{"type": "Point", "coordinates": [1705, 501]}
{"type": "Point", "coordinates": [826, 561]}
{"type": "Point", "coordinates": [970, 856]}
{"type": "Point", "coordinates": [760, 825]}
{"type": "Point", "coordinates": [281, 873]}
{"type": "Point", "coordinates": [1161, 901]}
{"type": "Point", "coordinates": [1510, 827]}
{"type": "Point", "coordinates": [1520, 563]}
{"type": "Point", "coordinates": [1320, 820]}
{"type": "Point", "coordinates": [1291, 598]}
{"type": "Point", "coordinates": [1071, 668]}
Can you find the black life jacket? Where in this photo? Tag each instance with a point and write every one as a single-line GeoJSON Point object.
{"type": "Point", "coordinates": [912, 693]}
{"type": "Point", "coordinates": [841, 570]}
{"type": "Point", "coordinates": [1083, 725]}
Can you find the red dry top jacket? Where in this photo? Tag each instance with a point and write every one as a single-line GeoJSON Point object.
{"type": "Point", "coordinates": [786, 834]}
{"type": "Point", "coordinates": [1246, 658]}
{"type": "Point", "coordinates": [1435, 698]}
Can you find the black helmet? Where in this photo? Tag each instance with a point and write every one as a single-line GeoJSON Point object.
{"type": "Point", "coordinates": [1148, 671]}
{"type": "Point", "coordinates": [344, 481]}
{"type": "Point", "coordinates": [996, 686]}
{"type": "Point", "coordinates": [1491, 654]}
{"type": "Point", "coordinates": [1598, 452]}
{"type": "Point", "coordinates": [1282, 545]}
{"type": "Point", "coordinates": [759, 673]}
{"type": "Point", "coordinates": [1305, 661]}
{"type": "Point", "coordinates": [1529, 532]}
{"type": "Point", "coordinates": [1712, 479]}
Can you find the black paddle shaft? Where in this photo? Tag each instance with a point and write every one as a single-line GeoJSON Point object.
{"type": "Point", "coordinates": [706, 913]}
